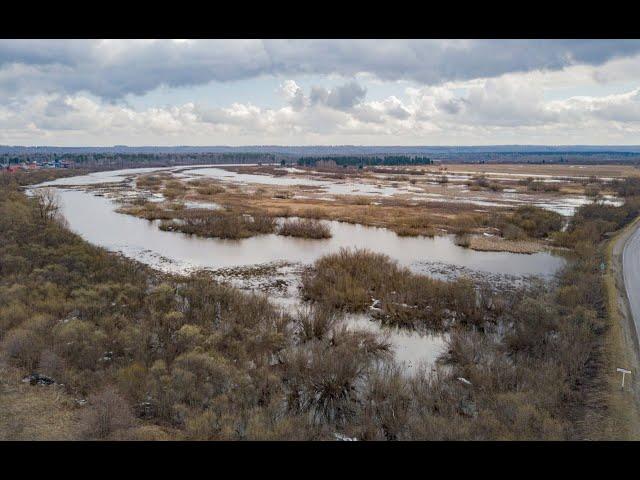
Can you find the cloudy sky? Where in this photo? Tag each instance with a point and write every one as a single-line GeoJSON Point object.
{"type": "Point", "coordinates": [319, 92]}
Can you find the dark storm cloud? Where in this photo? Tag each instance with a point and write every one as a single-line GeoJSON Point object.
{"type": "Point", "coordinates": [113, 69]}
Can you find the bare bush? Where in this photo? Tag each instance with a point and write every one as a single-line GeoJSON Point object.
{"type": "Point", "coordinates": [316, 323]}
{"type": "Point", "coordinates": [305, 228]}
{"type": "Point", "coordinates": [48, 203]}
{"type": "Point", "coordinates": [107, 413]}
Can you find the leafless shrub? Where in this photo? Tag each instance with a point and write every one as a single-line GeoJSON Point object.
{"type": "Point", "coordinates": [48, 203]}
{"type": "Point", "coordinates": [22, 346]}
{"type": "Point", "coordinates": [462, 240]}
{"type": "Point", "coordinates": [107, 413]}
{"type": "Point", "coordinates": [305, 228]}
{"type": "Point", "coordinates": [220, 224]}
{"type": "Point", "coordinates": [316, 323]}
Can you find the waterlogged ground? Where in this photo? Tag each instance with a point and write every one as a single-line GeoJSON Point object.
{"type": "Point", "coordinates": [273, 264]}
{"type": "Point", "coordinates": [426, 186]}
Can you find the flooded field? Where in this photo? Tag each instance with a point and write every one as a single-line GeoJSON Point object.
{"type": "Point", "coordinates": [92, 214]}
{"type": "Point", "coordinates": [428, 186]}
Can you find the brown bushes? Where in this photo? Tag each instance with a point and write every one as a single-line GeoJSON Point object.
{"type": "Point", "coordinates": [347, 279]}
{"type": "Point", "coordinates": [536, 222]}
{"type": "Point", "coordinates": [353, 279]}
{"type": "Point", "coordinates": [305, 228]}
{"type": "Point", "coordinates": [107, 413]}
{"type": "Point", "coordinates": [527, 221]}
{"type": "Point", "coordinates": [482, 182]}
{"type": "Point", "coordinates": [324, 374]}
{"type": "Point", "coordinates": [209, 189]}
{"type": "Point", "coordinates": [150, 181]}
{"type": "Point", "coordinates": [462, 240]}
{"type": "Point", "coordinates": [23, 347]}
{"type": "Point", "coordinates": [220, 224]}
{"type": "Point", "coordinates": [592, 221]}
{"type": "Point", "coordinates": [414, 226]}
{"type": "Point", "coordinates": [316, 323]}
{"type": "Point", "coordinates": [47, 202]}
{"type": "Point", "coordinates": [539, 185]}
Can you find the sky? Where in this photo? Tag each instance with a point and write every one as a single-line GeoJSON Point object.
{"type": "Point", "coordinates": [319, 92]}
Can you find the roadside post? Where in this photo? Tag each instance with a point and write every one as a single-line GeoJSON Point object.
{"type": "Point", "coordinates": [624, 372]}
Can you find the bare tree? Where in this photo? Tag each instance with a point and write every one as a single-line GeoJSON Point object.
{"type": "Point", "coordinates": [48, 203]}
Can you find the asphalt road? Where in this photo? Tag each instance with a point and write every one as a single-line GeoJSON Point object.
{"type": "Point", "coordinates": [631, 273]}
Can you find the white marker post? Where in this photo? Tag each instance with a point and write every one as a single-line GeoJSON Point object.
{"type": "Point", "coordinates": [624, 372]}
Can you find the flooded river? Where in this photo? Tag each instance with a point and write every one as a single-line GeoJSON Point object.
{"type": "Point", "coordinates": [565, 205]}
{"type": "Point", "coordinates": [95, 219]}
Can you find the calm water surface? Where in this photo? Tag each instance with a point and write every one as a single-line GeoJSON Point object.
{"type": "Point", "coordinates": [95, 220]}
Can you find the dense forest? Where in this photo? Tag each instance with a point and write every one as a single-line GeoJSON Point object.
{"type": "Point", "coordinates": [100, 160]}
{"type": "Point", "coordinates": [162, 156]}
{"type": "Point", "coordinates": [360, 161]}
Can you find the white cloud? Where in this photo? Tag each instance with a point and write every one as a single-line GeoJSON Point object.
{"type": "Point", "coordinates": [497, 110]}
{"type": "Point", "coordinates": [461, 92]}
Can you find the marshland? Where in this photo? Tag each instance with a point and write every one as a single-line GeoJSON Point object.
{"type": "Point", "coordinates": [294, 302]}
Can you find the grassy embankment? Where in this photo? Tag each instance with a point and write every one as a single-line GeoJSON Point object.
{"type": "Point", "coordinates": [620, 345]}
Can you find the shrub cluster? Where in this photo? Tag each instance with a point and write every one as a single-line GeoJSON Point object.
{"type": "Point", "coordinates": [305, 228]}
{"type": "Point", "coordinates": [220, 224]}
{"type": "Point", "coordinates": [361, 280]}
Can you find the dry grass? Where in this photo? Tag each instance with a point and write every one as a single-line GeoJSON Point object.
{"type": "Point", "coordinates": [403, 215]}
{"type": "Point", "coordinates": [497, 244]}
{"type": "Point", "coordinates": [524, 169]}
{"type": "Point", "coordinates": [622, 421]}
{"type": "Point", "coordinates": [35, 412]}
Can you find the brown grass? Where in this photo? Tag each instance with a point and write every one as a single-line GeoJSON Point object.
{"type": "Point", "coordinates": [35, 412]}
{"type": "Point", "coordinates": [497, 244]}
{"type": "Point", "coordinates": [622, 421]}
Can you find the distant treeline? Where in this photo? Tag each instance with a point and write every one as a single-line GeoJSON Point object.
{"type": "Point", "coordinates": [328, 150]}
{"type": "Point", "coordinates": [362, 161]}
{"type": "Point", "coordinates": [131, 157]}
{"type": "Point", "coordinates": [119, 160]}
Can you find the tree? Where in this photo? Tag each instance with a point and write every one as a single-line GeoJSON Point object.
{"type": "Point", "coordinates": [48, 203]}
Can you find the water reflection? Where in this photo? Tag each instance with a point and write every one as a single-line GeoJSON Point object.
{"type": "Point", "coordinates": [95, 220]}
